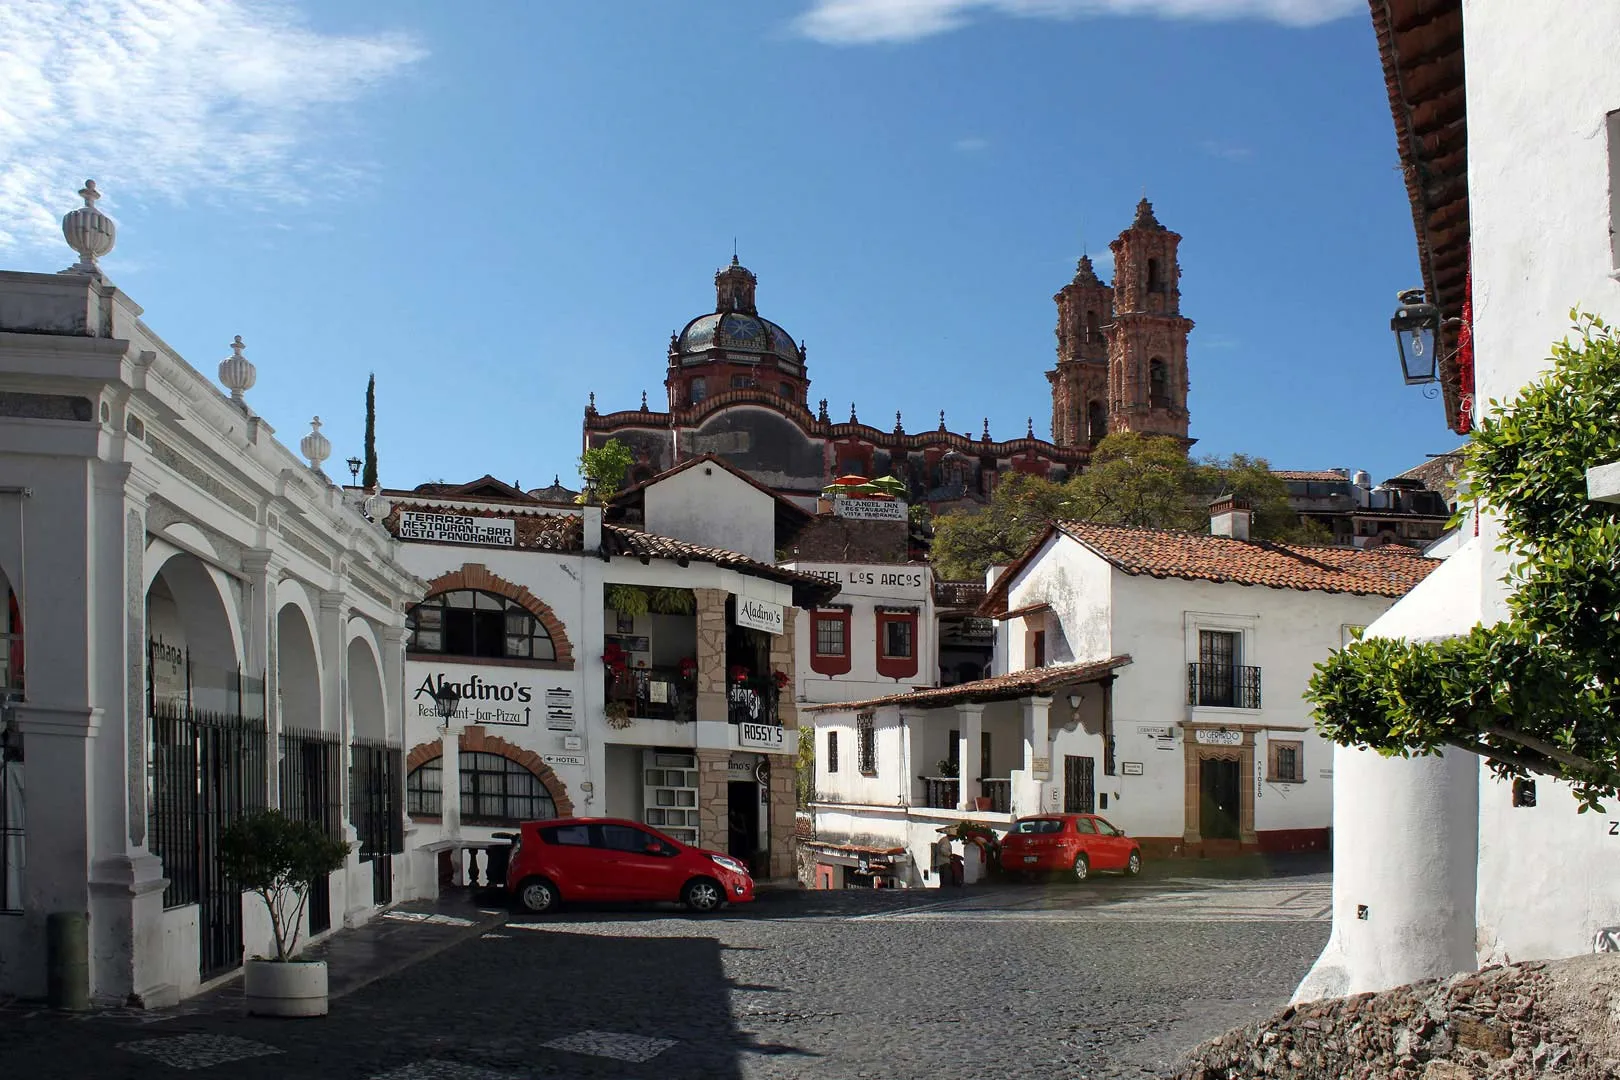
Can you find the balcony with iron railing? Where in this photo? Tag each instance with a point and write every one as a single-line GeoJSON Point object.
{"type": "Point", "coordinates": [655, 693]}
{"type": "Point", "coordinates": [752, 699]}
{"type": "Point", "coordinates": [1223, 686]}
{"type": "Point", "coordinates": [942, 792]}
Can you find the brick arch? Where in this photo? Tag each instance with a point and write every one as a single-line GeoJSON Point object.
{"type": "Point", "coordinates": [474, 740]}
{"type": "Point", "coordinates": [478, 576]}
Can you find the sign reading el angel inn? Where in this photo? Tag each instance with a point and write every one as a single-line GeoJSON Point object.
{"type": "Point", "coordinates": [869, 509]}
{"type": "Point", "coordinates": [456, 529]}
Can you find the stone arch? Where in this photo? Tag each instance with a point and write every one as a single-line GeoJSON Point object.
{"type": "Point", "coordinates": [368, 708]}
{"type": "Point", "coordinates": [190, 606]}
{"type": "Point", "coordinates": [478, 576]}
{"type": "Point", "coordinates": [13, 670]}
{"type": "Point", "coordinates": [299, 675]}
{"type": "Point", "coordinates": [475, 740]}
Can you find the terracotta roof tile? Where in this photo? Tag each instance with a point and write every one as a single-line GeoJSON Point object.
{"type": "Point", "coordinates": [958, 594]}
{"type": "Point", "coordinates": [1015, 684]}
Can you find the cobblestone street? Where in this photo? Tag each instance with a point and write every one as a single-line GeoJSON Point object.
{"type": "Point", "coordinates": [1112, 979]}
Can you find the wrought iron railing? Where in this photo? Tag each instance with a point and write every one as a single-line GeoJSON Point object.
{"type": "Point", "coordinates": [656, 693]}
{"type": "Point", "coordinates": [752, 700]}
{"type": "Point", "coordinates": [942, 792]}
{"type": "Point", "coordinates": [999, 792]}
{"type": "Point", "coordinates": [312, 778]}
{"type": "Point", "coordinates": [1230, 686]}
{"type": "Point", "coordinates": [374, 807]}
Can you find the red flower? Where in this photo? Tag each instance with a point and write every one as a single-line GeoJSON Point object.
{"type": "Point", "coordinates": [739, 672]}
{"type": "Point", "coordinates": [688, 667]}
{"type": "Point", "coordinates": [781, 678]}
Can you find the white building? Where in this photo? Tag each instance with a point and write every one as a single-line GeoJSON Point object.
{"type": "Point", "coordinates": [1153, 677]}
{"type": "Point", "coordinates": [879, 635]}
{"type": "Point", "coordinates": [198, 624]}
{"type": "Point", "coordinates": [1514, 176]}
{"type": "Point", "coordinates": [574, 702]}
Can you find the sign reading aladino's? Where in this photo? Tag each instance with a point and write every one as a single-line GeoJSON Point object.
{"type": "Point", "coordinates": [504, 696]}
{"type": "Point", "coordinates": [457, 529]}
{"type": "Point", "coordinates": [759, 615]}
{"type": "Point", "coordinates": [869, 509]}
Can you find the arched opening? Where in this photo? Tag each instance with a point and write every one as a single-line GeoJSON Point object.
{"type": "Point", "coordinates": [298, 672]}
{"type": "Point", "coordinates": [698, 389]}
{"type": "Point", "coordinates": [193, 635]}
{"type": "Point", "coordinates": [1158, 384]}
{"type": "Point", "coordinates": [11, 756]}
{"type": "Point", "coordinates": [367, 709]}
{"type": "Point", "coordinates": [1096, 422]}
{"type": "Point", "coordinates": [1154, 283]}
{"type": "Point", "coordinates": [374, 770]}
{"type": "Point", "coordinates": [472, 622]}
{"type": "Point", "coordinates": [1093, 329]}
{"type": "Point", "coordinates": [495, 790]}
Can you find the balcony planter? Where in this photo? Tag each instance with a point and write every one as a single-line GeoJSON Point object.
{"type": "Point", "coordinates": [279, 858]}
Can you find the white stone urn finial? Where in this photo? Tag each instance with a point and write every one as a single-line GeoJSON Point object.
{"type": "Point", "coordinates": [315, 446]}
{"type": "Point", "coordinates": [237, 373]}
{"type": "Point", "coordinates": [88, 231]}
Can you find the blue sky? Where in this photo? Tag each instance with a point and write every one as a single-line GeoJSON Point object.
{"type": "Point", "coordinates": [501, 207]}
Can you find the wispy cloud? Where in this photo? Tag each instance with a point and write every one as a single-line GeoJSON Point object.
{"type": "Point", "coordinates": [170, 100]}
{"type": "Point", "coordinates": [970, 144]}
{"type": "Point", "coordinates": [1226, 151]}
{"type": "Point", "coordinates": [866, 22]}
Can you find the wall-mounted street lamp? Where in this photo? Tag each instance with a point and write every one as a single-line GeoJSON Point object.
{"type": "Point", "coordinates": [446, 702]}
{"type": "Point", "coordinates": [592, 486]}
{"type": "Point", "coordinates": [1416, 324]}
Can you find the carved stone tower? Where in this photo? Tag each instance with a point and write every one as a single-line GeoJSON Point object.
{"type": "Point", "coordinates": [1080, 380]}
{"type": "Point", "coordinates": [1147, 343]}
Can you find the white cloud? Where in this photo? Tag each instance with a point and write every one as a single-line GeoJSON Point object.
{"type": "Point", "coordinates": [970, 144]}
{"type": "Point", "coordinates": [170, 100]}
{"type": "Point", "coordinates": [1226, 151]}
{"type": "Point", "coordinates": [866, 22]}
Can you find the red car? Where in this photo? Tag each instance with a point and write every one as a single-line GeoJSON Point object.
{"type": "Point", "coordinates": [612, 859]}
{"type": "Point", "coordinates": [1075, 844]}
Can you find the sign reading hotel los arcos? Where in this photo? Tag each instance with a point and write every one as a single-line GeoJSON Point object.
{"type": "Point", "coordinates": [759, 615]}
{"type": "Point", "coordinates": [457, 529]}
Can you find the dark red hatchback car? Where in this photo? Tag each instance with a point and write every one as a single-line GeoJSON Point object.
{"type": "Point", "coordinates": [613, 859]}
{"type": "Point", "coordinates": [1075, 844]}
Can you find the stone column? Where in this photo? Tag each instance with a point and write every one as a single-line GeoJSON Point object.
{"type": "Point", "coordinates": [783, 659]}
{"type": "Point", "coordinates": [450, 783]}
{"type": "Point", "coordinates": [711, 654]}
{"type": "Point", "coordinates": [714, 799]}
{"type": "Point", "coordinates": [969, 726]}
{"type": "Point", "coordinates": [1037, 755]}
{"type": "Point", "coordinates": [261, 645]}
{"type": "Point", "coordinates": [783, 806]}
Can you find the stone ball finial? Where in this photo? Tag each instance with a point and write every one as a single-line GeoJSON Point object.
{"type": "Point", "coordinates": [315, 446]}
{"type": "Point", "coordinates": [1029, 431]}
{"type": "Point", "coordinates": [88, 232]}
{"type": "Point", "coordinates": [942, 419]}
{"type": "Point", "coordinates": [237, 373]}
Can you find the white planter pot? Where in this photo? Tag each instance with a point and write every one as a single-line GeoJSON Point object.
{"type": "Point", "coordinates": [294, 988]}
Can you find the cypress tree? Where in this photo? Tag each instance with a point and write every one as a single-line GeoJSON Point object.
{"type": "Point", "coordinates": [368, 478]}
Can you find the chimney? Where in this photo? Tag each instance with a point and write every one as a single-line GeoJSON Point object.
{"type": "Point", "coordinates": [591, 521]}
{"type": "Point", "coordinates": [1231, 516]}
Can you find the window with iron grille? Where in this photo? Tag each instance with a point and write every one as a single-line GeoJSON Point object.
{"type": "Point", "coordinates": [495, 790]}
{"type": "Point", "coordinates": [470, 622]}
{"type": "Point", "coordinates": [829, 635]}
{"type": "Point", "coordinates": [866, 744]}
{"type": "Point", "coordinates": [832, 751]}
{"type": "Point", "coordinates": [1287, 762]}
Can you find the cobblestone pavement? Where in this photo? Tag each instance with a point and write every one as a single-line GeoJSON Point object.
{"type": "Point", "coordinates": [1109, 980]}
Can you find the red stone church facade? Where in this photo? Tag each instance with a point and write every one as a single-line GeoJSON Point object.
{"type": "Point", "coordinates": [738, 388]}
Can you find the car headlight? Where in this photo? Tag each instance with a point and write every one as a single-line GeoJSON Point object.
{"type": "Point", "coordinates": [730, 864]}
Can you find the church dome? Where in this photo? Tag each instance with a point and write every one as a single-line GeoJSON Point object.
{"type": "Point", "coordinates": [736, 332]}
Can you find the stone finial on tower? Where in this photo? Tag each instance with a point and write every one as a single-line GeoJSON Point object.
{"type": "Point", "coordinates": [942, 419]}
{"type": "Point", "coordinates": [1085, 273]}
{"type": "Point", "coordinates": [1029, 429]}
{"type": "Point", "coordinates": [237, 373]}
{"type": "Point", "coordinates": [1144, 216]}
{"type": "Point", "coordinates": [899, 428]}
{"type": "Point", "coordinates": [644, 401]}
{"type": "Point", "coordinates": [315, 446]}
{"type": "Point", "coordinates": [822, 416]}
{"type": "Point", "coordinates": [852, 417]}
{"type": "Point", "coordinates": [590, 406]}
{"type": "Point", "coordinates": [88, 232]}
{"type": "Point", "coordinates": [986, 436]}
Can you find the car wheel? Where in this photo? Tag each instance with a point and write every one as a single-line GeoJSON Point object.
{"type": "Point", "coordinates": [537, 896]}
{"type": "Point", "coordinates": [703, 895]}
{"type": "Point", "coordinates": [1133, 865]}
{"type": "Point", "coordinates": [1082, 868]}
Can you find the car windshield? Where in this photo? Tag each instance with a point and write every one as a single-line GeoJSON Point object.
{"type": "Point", "coordinates": [1038, 825]}
{"type": "Point", "coordinates": [1106, 829]}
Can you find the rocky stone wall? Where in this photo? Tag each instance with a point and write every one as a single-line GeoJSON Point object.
{"type": "Point", "coordinates": [1555, 1019]}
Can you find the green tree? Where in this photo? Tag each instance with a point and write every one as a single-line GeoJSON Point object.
{"type": "Point", "coordinates": [804, 767]}
{"type": "Point", "coordinates": [279, 858]}
{"type": "Point", "coordinates": [610, 464]}
{"type": "Point", "coordinates": [1534, 693]}
{"type": "Point", "coordinates": [1142, 481]}
{"type": "Point", "coordinates": [368, 478]}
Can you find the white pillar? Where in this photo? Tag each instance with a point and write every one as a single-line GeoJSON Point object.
{"type": "Point", "coordinates": [1037, 768]}
{"type": "Point", "coordinates": [969, 727]}
{"type": "Point", "coordinates": [450, 784]}
{"type": "Point", "coordinates": [261, 644]}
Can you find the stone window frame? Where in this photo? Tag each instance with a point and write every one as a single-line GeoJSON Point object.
{"type": "Point", "coordinates": [1246, 626]}
{"type": "Point", "coordinates": [1273, 773]}
{"type": "Point", "coordinates": [477, 576]}
{"type": "Point", "coordinates": [474, 740]}
{"type": "Point", "coordinates": [533, 636]}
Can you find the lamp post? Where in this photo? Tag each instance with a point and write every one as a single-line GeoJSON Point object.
{"type": "Point", "coordinates": [354, 464]}
{"type": "Point", "coordinates": [446, 702]}
{"type": "Point", "coordinates": [1416, 324]}
{"type": "Point", "coordinates": [592, 486]}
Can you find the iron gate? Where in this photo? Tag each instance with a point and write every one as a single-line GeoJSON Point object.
{"type": "Point", "coordinates": [1079, 785]}
{"type": "Point", "coordinates": [375, 808]}
{"type": "Point", "coordinates": [207, 770]}
{"type": "Point", "coordinates": [311, 774]}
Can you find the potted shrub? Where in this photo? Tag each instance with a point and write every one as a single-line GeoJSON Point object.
{"type": "Point", "coordinates": [279, 858]}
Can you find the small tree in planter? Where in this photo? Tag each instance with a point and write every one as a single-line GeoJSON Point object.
{"type": "Point", "coordinates": [280, 859]}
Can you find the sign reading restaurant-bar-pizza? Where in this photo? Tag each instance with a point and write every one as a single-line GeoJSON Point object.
{"type": "Point", "coordinates": [456, 529]}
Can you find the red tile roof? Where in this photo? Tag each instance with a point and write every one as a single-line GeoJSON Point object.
{"type": "Point", "coordinates": [1328, 475]}
{"type": "Point", "coordinates": [1391, 570]}
{"type": "Point", "coordinates": [958, 594]}
{"type": "Point", "coordinates": [1015, 684]}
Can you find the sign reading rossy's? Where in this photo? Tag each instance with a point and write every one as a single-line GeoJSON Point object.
{"type": "Point", "coordinates": [510, 698]}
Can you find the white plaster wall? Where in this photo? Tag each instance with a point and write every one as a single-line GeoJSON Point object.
{"type": "Point", "coordinates": [890, 787]}
{"type": "Point", "coordinates": [709, 505]}
{"type": "Point", "coordinates": [1542, 79]}
{"type": "Point", "coordinates": [864, 588]}
{"type": "Point", "coordinates": [1079, 587]}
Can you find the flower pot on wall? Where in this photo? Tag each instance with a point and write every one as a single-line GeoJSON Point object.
{"type": "Point", "coordinates": [290, 988]}
{"type": "Point", "coordinates": [981, 802]}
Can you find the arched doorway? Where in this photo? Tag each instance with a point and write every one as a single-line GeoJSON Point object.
{"type": "Point", "coordinates": [375, 766]}
{"type": "Point", "coordinates": [310, 769]}
{"type": "Point", "coordinates": [206, 744]}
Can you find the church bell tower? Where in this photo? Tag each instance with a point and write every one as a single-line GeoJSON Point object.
{"type": "Point", "coordinates": [1080, 380]}
{"type": "Point", "coordinates": [1147, 343]}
